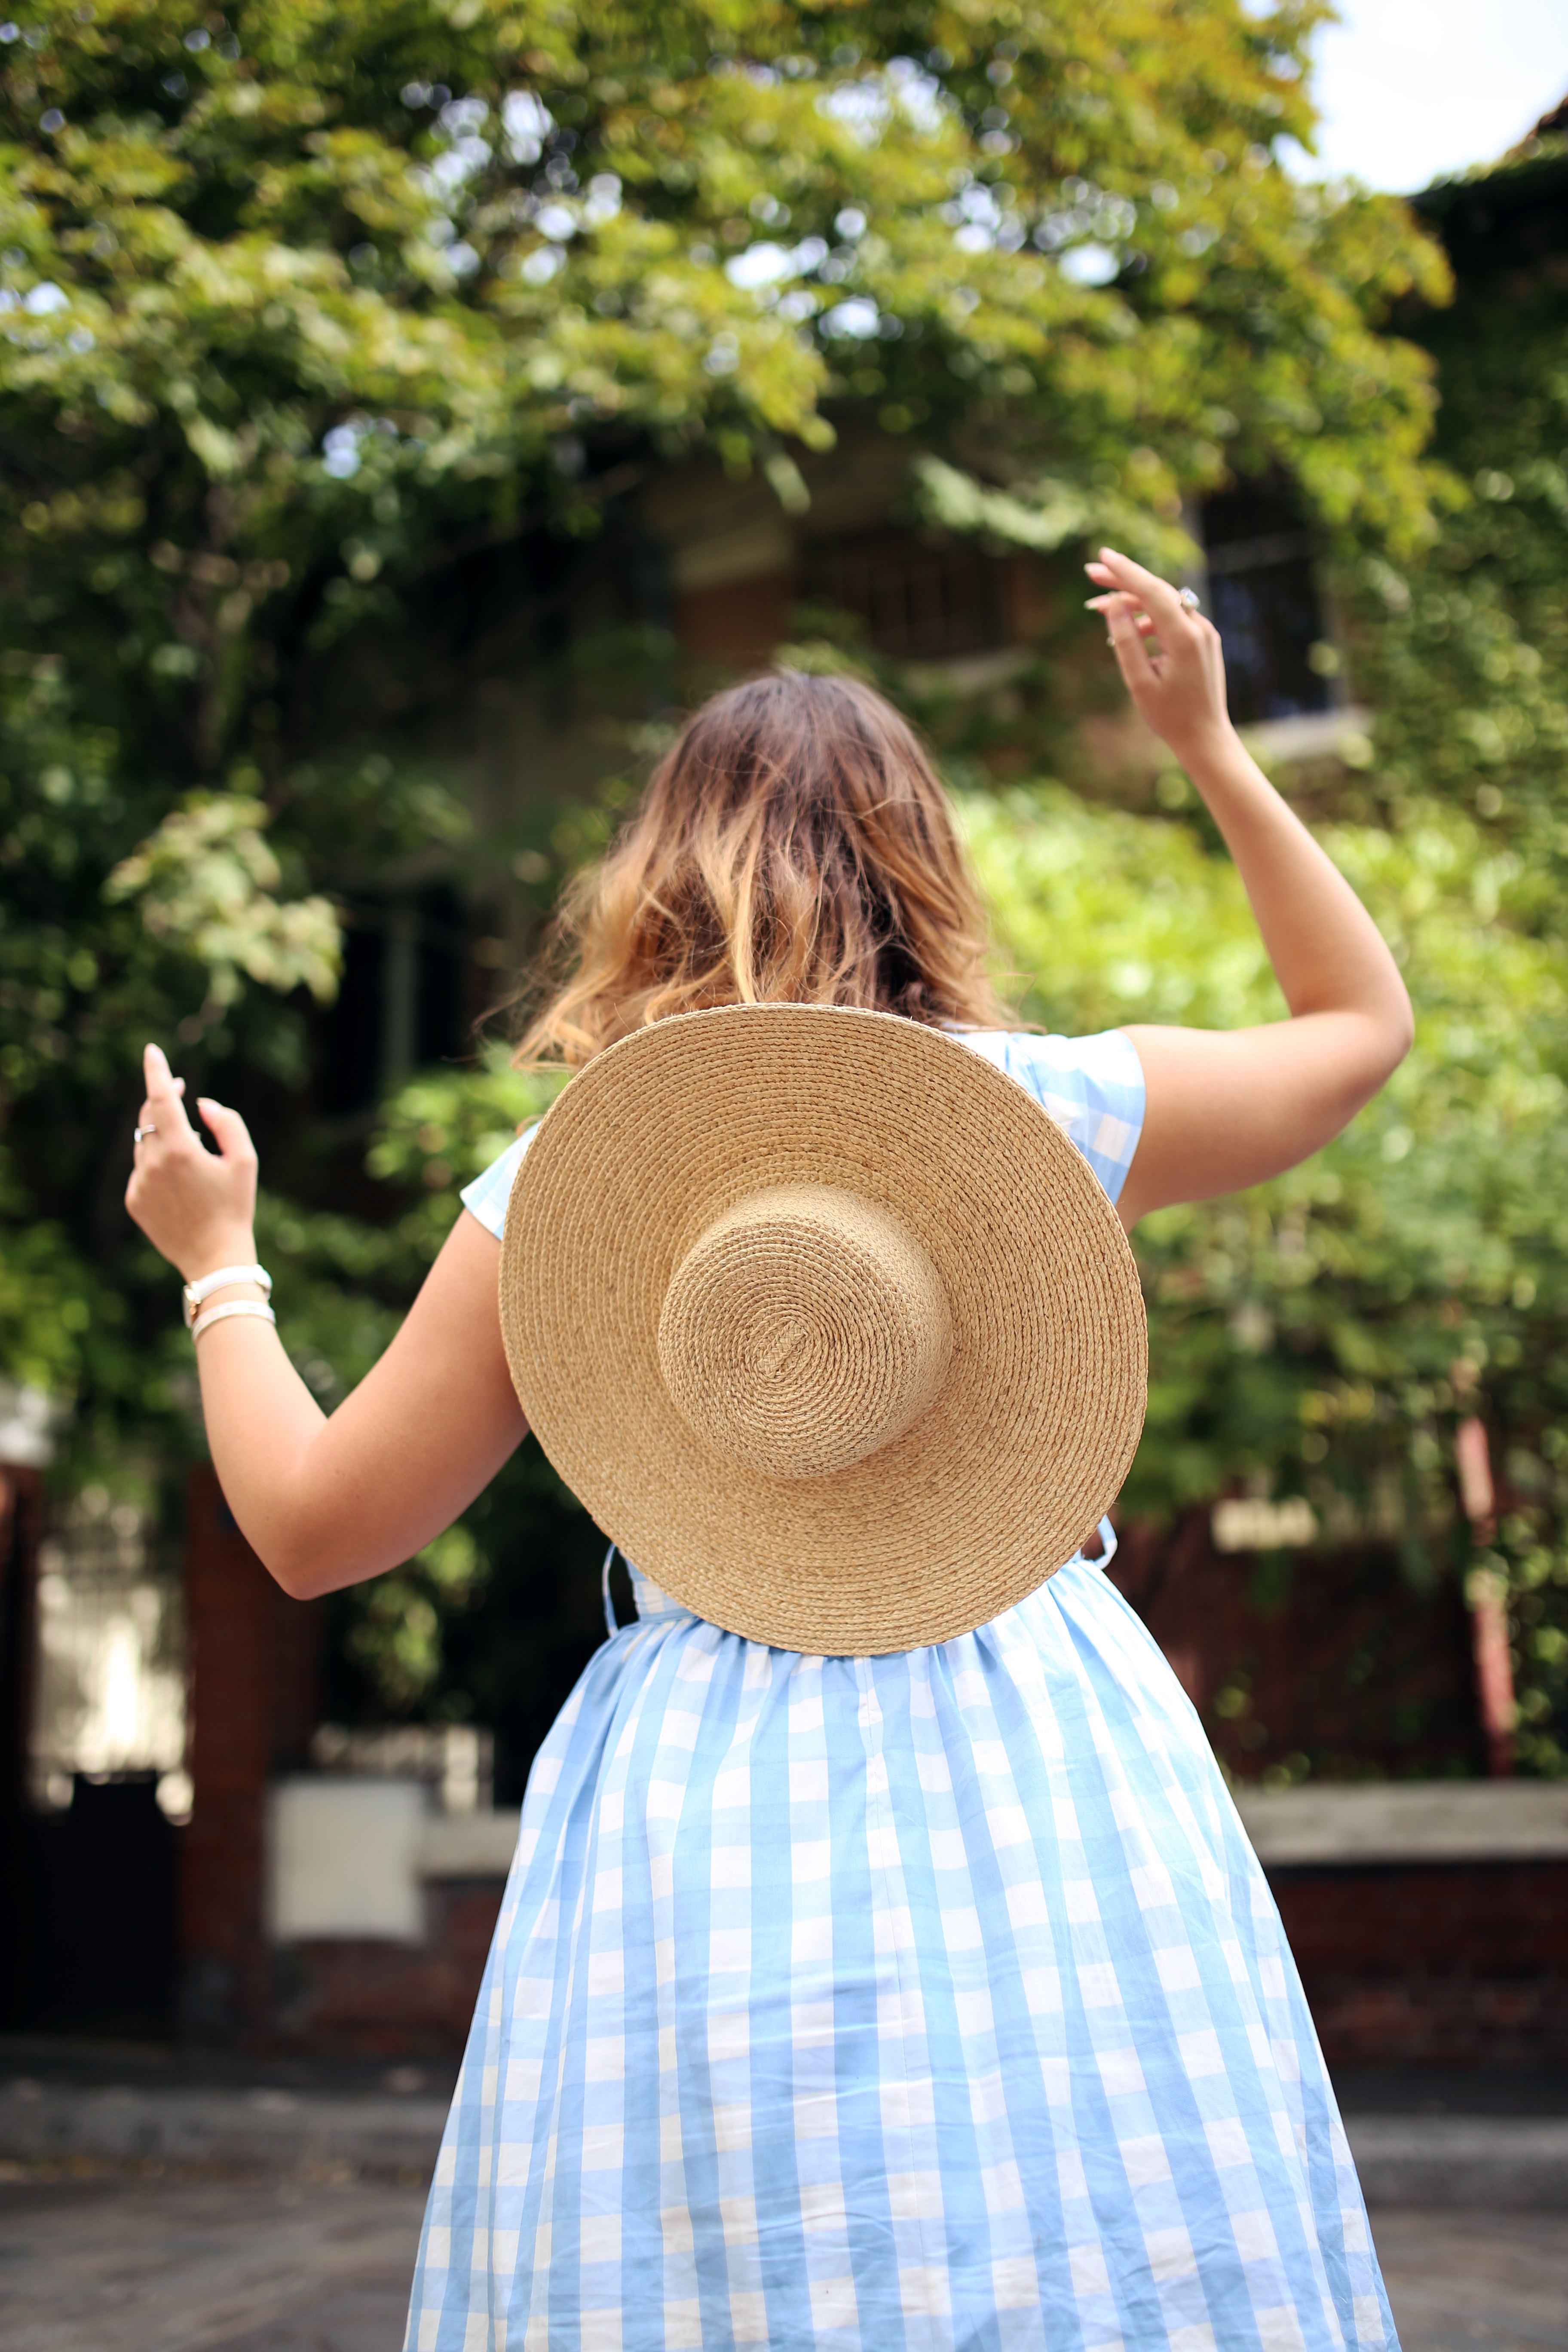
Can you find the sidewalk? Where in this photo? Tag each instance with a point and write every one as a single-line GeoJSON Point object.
{"type": "Point", "coordinates": [156, 2203]}
{"type": "Point", "coordinates": [386, 2125]}
{"type": "Point", "coordinates": [278, 2265]}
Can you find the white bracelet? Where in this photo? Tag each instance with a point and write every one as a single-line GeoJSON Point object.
{"type": "Point", "coordinates": [231, 1307]}
{"type": "Point", "coordinates": [192, 1296]}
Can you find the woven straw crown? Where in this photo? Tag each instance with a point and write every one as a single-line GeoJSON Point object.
{"type": "Point", "coordinates": [826, 1321]}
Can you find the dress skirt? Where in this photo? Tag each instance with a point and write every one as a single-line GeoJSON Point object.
{"type": "Point", "coordinates": [934, 2001]}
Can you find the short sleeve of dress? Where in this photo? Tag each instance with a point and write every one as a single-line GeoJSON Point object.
{"type": "Point", "coordinates": [486, 1196]}
{"type": "Point", "coordinates": [1093, 1087]}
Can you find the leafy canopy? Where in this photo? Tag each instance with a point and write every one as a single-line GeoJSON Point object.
{"type": "Point", "coordinates": [296, 301]}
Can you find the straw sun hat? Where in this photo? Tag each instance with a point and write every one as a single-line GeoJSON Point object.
{"type": "Point", "coordinates": [826, 1321]}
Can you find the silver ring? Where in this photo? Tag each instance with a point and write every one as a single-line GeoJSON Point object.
{"type": "Point", "coordinates": [141, 1132]}
{"type": "Point", "coordinates": [1191, 599]}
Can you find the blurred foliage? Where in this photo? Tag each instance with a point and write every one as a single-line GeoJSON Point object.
{"type": "Point", "coordinates": [1464, 658]}
{"type": "Point", "coordinates": [206, 880]}
{"type": "Point", "coordinates": [1324, 1334]}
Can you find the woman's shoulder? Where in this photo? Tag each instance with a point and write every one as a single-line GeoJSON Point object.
{"type": "Point", "coordinates": [1093, 1087]}
{"type": "Point", "coordinates": [486, 1196]}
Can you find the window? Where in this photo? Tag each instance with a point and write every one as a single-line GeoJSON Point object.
{"type": "Point", "coordinates": [919, 599]}
{"type": "Point", "coordinates": [1263, 599]}
{"type": "Point", "coordinates": [399, 1005]}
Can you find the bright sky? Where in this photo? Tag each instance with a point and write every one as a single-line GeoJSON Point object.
{"type": "Point", "coordinates": [1410, 88]}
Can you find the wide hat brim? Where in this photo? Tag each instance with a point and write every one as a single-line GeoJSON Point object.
{"type": "Point", "coordinates": [1025, 1444]}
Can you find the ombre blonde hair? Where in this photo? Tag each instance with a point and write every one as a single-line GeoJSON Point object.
{"type": "Point", "coordinates": [792, 846]}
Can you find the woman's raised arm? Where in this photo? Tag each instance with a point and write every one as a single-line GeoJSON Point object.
{"type": "Point", "coordinates": [1227, 1108]}
{"type": "Point", "coordinates": [326, 1501]}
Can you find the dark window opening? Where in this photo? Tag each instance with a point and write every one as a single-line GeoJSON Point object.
{"type": "Point", "coordinates": [351, 1056]}
{"type": "Point", "coordinates": [1264, 601]}
{"type": "Point", "coordinates": [400, 1004]}
{"type": "Point", "coordinates": [442, 953]}
{"type": "Point", "coordinates": [922, 600]}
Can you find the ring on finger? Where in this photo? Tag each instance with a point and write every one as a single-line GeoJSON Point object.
{"type": "Point", "coordinates": [140, 1134]}
{"type": "Point", "coordinates": [1190, 598]}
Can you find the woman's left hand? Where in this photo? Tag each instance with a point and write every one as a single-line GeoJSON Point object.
{"type": "Point", "coordinates": [197, 1207]}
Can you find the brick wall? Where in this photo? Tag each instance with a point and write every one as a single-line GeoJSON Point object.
{"type": "Point", "coordinates": [1333, 1657]}
{"type": "Point", "coordinates": [735, 623]}
{"type": "Point", "coordinates": [1460, 1965]}
{"type": "Point", "coordinates": [1451, 1964]}
{"type": "Point", "coordinates": [378, 1999]}
{"type": "Point", "coordinates": [253, 1674]}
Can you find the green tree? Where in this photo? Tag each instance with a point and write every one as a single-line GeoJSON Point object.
{"type": "Point", "coordinates": [298, 299]}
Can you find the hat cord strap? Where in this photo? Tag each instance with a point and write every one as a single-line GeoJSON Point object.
{"type": "Point", "coordinates": [609, 1605]}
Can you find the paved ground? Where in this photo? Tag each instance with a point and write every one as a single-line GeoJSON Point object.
{"type": "Point", "coordinates": [119, 2264]}
{"type": "Point", "coordinates": [1475, 2283]}
{"type": "Point", "coordinates": [106, 2260]}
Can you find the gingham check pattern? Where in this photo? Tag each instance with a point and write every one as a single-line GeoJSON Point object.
{"type": "Point", "coordinates": [902, 2004]}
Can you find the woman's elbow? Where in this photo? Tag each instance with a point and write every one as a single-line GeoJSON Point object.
{"type": "Point", "coordinates": [302, 1563]}
{"type": "Point", "coordinates": [1386, 1037]}
{"type": "Point", "coordinates": [314, 1563]}
{"type": "Point", "coordinates": [297, 1575]}
{"type": "Point", "coordinates": [1400, 1030]}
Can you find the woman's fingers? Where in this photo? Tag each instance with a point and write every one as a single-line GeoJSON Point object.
{"type": "Point", "coordinates": [145, 1113]}
{"type": "Point", "coordinates": [1146, 587]}
{"type": "Point", "coordinates": [1143, 624]}
{"type": "Point", "coordinates": [228, 1129]}
{"type": "Point", "coordinates": [1129, 641]}
{"type": "Point", "coordinates": [196, 1206]}
{"type": "Point", "coordinates": [164, 1108]}
{"type": "Point", "coordinates": [1180, 690]}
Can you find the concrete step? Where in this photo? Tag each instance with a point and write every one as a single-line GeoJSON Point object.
{"type": "Point", "coordinates": [1496, 2163]}
{"type": "Point", "coordinates": [1502, 2164]}
{"type": "Point", "coordinates": [372, 2134]}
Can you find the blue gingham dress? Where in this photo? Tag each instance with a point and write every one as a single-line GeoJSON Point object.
{"type": "Point", "coordinates": [899, 2004]}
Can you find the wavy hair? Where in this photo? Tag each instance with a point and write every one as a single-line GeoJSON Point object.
{"type": "Point", "coordinates": [792, 846]}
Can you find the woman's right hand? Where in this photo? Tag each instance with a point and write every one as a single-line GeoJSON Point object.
{"type": "Point", "coordinates": [1180, 690]}
{"type": "Point", "coordinates": [197, 1207]}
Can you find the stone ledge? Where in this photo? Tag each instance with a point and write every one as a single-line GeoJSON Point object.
{"type": "Point", "coordinates": [272, 2131]}
{"type": "Point", "coordinates": [468, 1845]}
{"type": "Point", "coordinates": [1493, 2163]}
{"type": "Point", "coordinates": [1407, 1822]}
{"type": "Point", "coordinates": [1380, 1822]}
